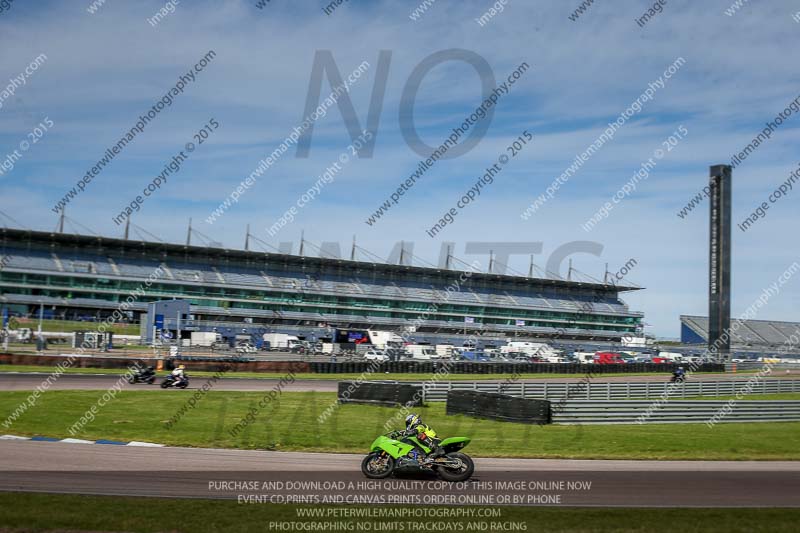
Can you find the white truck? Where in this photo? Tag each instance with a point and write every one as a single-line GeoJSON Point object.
{"type": "Point", "coordinates": [281, 340]}
{"type": "Point", "coordinates": [675, 357]}
{"type": "Point", "coordinates": [205, 338]}
{"type": "Point", "coordinates": [385, 339]}
{"type": "Point", "coordinates": [422, 352]}
{"type": "Point", "coordinates": [537, 349]}
{"type": "Point", "coordinates": [584, 357]}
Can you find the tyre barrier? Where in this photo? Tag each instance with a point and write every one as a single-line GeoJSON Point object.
{"type": "Point", "coordinates": [390, 394]}
{"type": "Point", "coordinates": [470, 367]}
{"type": "Point", "coordinates": [498, 407]}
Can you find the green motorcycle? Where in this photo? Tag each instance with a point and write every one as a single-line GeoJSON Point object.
{"type": "Point", "coordinates": [389, 455]}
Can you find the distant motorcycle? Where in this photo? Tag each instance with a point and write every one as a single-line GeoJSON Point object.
{"type": "Point", "coordinates": [678, 378]}
{"type": "Point", "coordinates": [143, 375]}
{"type": "Point", "coordinates": [171, 381]}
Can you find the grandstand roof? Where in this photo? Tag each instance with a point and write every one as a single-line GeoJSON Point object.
{"type": "Point", "coordinates": [751, 332]}
{"type": "Point", "coordinates": [31, 238]}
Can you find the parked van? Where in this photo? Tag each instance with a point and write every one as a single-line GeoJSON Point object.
{"type": "Point", "coordinates": [674, 357]}
{"type": "Point", "coordinates": [422, 352]}
{"type": "Point", "coordinates": [584, 357]}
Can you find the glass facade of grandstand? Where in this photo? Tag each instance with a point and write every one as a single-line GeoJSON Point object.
{"type": "Point", "coordinates": [79, 275]}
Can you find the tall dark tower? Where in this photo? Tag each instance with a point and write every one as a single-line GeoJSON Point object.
{"type": "Point", "coordinates": [719, 264]}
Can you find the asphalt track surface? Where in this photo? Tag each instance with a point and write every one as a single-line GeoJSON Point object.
{"type": "Point", "coordinates": [10, 381]}
{"type": "Point", "coordinates": [29, 381]}
{"type": "Point", "coordinates": [59, 467]}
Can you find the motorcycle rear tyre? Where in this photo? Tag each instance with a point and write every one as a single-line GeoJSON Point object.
{"type": "Point", "coordinates": [448, 475]}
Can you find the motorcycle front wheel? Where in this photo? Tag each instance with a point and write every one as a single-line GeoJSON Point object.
{"type": "Point", "coordinates": [164, 384]}
{"type": "Point", "coordinates": [377, 466]}
{"type": "Point", "coordinates": [131, 380]}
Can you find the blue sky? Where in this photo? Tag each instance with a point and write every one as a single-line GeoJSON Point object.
{"type": "Point", "coordinates": [104, 69]}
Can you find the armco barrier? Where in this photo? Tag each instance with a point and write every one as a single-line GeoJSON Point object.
{"type": "Point", "coordinates": [469, 367]}
{"type": "Point", "coordinates": [675, 411]}
{"type": "Point", "coordinates": [498, 407]}
{"type": "Point", "coordinates": [756, 365]}
{"type": "Point", "coordinates": [437, 391]}
{"type": "Point", "coordinates": [380, 393]}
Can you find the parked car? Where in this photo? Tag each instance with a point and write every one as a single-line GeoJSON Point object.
{"type": "Point", "coordinates": [472, 355]}
{"type": "Point", "coordinates": [376, 355]}
{"type": "Point", "coordinates": [245, 347]}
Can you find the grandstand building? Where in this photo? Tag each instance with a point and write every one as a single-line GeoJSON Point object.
{"type": "Point", "coordinates": [81, 276]}
{"type": "Point", "coordinates": [758, 335]}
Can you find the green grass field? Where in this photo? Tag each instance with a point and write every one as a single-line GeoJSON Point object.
{"type": "Point", "coordinates": [291, 424]}
{"type": "Point", "coordinates": [50, 512]}
{"type": "Point", "coordinates": [373, 376]}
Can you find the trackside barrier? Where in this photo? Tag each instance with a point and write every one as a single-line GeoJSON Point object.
{"type": "Point", "coordinates": [469, 367]}
{"type": "Point", "coordinates": [498, 407]}
{"type": "Point", "coordinates": [380, 393]}
{"type": "Point", "coordinates": [754, 365]}
{"type": "Point", "coordinates": [675, 412]}
{"type": "Point", "coordinates": [437, 391]}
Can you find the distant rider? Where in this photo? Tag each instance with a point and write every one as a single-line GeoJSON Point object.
{"type": "Point", "coordinates": [424, 433]}
{"type": "Point", "coordinates": [679, 374]}
{"type": "Point", "coordinates": [178, 374]}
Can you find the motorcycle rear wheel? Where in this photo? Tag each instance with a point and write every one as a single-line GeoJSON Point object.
{"type": "Point", "coordinates": [371, 459]}
{"type": "Point", "coordinates": [462, 474]}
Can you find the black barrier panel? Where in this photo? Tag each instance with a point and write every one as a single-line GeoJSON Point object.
{"type": "Point", "coordinates": [498, 407]}
{"type": "Point", "coordinates": [379, 393]}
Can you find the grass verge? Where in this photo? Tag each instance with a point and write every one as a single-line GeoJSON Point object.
{"type": "Point", "coordinates": [51, 512]}
{"type": "Point", "coordinates": [292, 423]}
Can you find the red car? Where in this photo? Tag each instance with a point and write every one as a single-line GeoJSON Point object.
{"type": "Point", "coordinates": [608, 358]}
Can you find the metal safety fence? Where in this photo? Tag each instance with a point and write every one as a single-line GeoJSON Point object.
{"type": "Point", "coordinates": [676, 411]}
{"type": "Point", "coordinates": [437, 391]}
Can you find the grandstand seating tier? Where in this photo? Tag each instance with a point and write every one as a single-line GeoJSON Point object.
{"type": "Point", "coordinates": [749, 332]}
